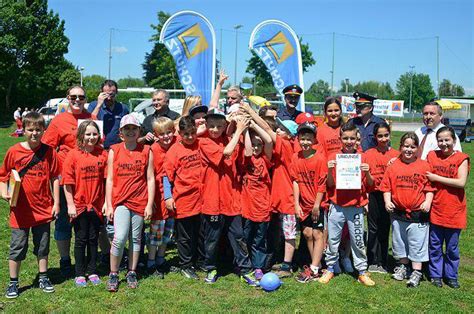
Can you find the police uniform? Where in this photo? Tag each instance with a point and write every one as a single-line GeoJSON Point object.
{"type": "Point", "coordinates": [283, 113]}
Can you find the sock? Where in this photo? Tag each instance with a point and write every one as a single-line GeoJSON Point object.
{"type": "Point", "coordinates": [160, 260]}
{"type": "Point", "coordinates": [113, 273]}
{"type": "Point", "coordinates": [13, 280]}
{"type": "Point", "coordinates": [150, 263]}
{"type": "Point", "coordinates": [361, 272]}
{"type": "Point", "coordinates": [315, 269]}
{"type": "Point", "coordinates": [331, 269]}
{"type": "Point", "coordinates": [43, 275]}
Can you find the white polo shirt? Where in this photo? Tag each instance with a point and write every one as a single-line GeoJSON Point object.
{"type": "Point", "coordinates": [431, 142]}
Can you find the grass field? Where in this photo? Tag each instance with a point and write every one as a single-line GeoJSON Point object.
{"type": "Point", "coordinates": [176, 294]}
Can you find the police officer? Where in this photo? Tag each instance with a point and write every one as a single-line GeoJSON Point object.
{"type": "Point", "coordinates": [292, 96]}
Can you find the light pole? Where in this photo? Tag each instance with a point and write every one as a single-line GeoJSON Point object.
{"type": "Point", "coordinates": [347, 85]}
{"type": "Point", "coordinates": [81, 69]}
{"type": "Point", "coordinates": [411, 84]}
{"type": "Point", "coordinates": [236, 27]}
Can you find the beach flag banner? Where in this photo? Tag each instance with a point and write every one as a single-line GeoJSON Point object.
{"type": "Point", "coordinates": [191, 40]}
{"type": "Point", "coordinates": [278, 46]}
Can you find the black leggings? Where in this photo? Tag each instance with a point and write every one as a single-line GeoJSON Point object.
{"type": "Point", "coordinates": [86, 228]}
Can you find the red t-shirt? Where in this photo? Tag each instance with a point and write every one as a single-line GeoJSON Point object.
{"type": "Point", "coordinates": [35, 200]}
{"type": "Point", "coordinates": [86, 172]}
{"type": "Point", "coordinates": [345, 198]}
{"type": "Point", "coordinates": [310, 174]}
{"type": "Point", "coordinates": [229, 186]}
{"type": "Point", "coordinates": [449, 203]}
{"type": "Point", "coordinates": [282, 185]}
{"type": "Point", "coordinates": [329, 139]}
{"type": "Point", "coordinates": [183, 167]}
{"type": "Point", "coordinates": [407, 183]}
{"type": "Point", "coordinates": [130, 186]}
{"type": "Point", "coordinates": [378, 163]}
{"type": "Point", "coordinates": [61, 133]}
{"type": "Point", "coordinates": [160, 212]}
{"type": "Point", "coordinates": [256, 198]}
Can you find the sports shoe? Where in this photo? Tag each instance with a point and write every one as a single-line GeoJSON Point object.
{"type": "Point", "coordinates": [156, 272]}
{"type": "Point", "coordinates": [249, 278]}
{"type": "Point", "coordinates": [258, 273]}
{"type": "Point", "coordinates": [453, 283]}
{"type": "Point", "coordinates": [415, 279]}
{"type": "Point", "coordinates": [382, 269]}
{"type": "Point", "coordinates": [372, 269]}
{"type": "Point", "coordinates": [211, 276]}
{"type": "Point", "coordinates": [326, 277]}
{"type": "Point", "coordinates": [132, 281]}
{"type": "Point", "coordinates": [113, 283]}
{"type": "Point", "coordinates": [65, 267]}
{"type": "Point", "coordinates": [189, 273]}
{"type": "Point", "coordinates": [306, 275]}
{"type": "Point", "coordinates": [80, 282]}
{"type": "Point", "coordinates": [46, 285]}
{"type": "Point", "coordinates": [365, 279]}
{"type": "Point", "coordinates": [347, 264]}
{"type": "Point", "coordinates": [400, 273]}
{"type": "Point", "coordinates": [437, 282]}
{"type": "Point", "coordinates": [283, 270]}
{"type": "Point", "coordinates": [94, 279]}
{"type": "Point", "coordinates": [12, 290]}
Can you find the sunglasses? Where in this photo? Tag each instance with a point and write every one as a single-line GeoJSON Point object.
{"type": "Point", "coordinates": [74, 97]}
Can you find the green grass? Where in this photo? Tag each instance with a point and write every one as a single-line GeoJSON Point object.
{"type": "Point", "coordinates": [175, 294]}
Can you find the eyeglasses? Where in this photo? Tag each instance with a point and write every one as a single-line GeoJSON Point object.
{"type": "Point", "coordinates": [233, 98]}
{"type": "Point", "coordinates": [74, 97]}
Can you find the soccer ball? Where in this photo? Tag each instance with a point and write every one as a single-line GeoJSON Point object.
{"type": "Point", "coordinates": [270, 282]}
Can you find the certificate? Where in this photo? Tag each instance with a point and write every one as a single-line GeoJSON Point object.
{"type": "Point", "coordinates": [348, 174]}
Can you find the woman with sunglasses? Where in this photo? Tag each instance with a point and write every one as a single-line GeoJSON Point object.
{"type": "Point", "coordinates": [61, 135]}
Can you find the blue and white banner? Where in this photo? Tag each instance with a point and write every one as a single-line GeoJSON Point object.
{"type": "Point", "coordinates": [279, 49]}
{"type": "Point", "coordinates": [190, 39]}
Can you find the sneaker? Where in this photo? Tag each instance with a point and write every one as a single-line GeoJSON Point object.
{"type": "Point", "coordinates": [249, 278]}
{"type": "Point", "coordinates": [373, 269]}
{"type": "Point", "coordinates": [65, 267]}
{"type": "Point", "coordinates": [453, 283]}
{"type": "Point", "coordinates": [189, 273]}
{"type": "Point", "coordinates": [382, 269]}
{"type": "Point", "coordinates": [306, 275]}
{"type": "Point", "coordinates": [326, 277]}
{"type": "Point", "coordinates": [211, 276]}
{"type": "Point", "coordinates": [46, 285]}
{"type": "Point", "coordinates": [132, 281]}
{"type": "Point", "coordinates": [156, 272]}
{"type": "Point", "coordinates": [113, 283]}
{"type": "Point", "coordinates": [400, 273]}
{"type": "Point", "coordinates": [347, 264]}
{"type": "Point", "coordinates": [365, 279]}
{"type": "Point", "coordinates": [174, 269]}
{"type": "Point", "coordinates": [12, 290]}
{"type": "Point", "coordinates": [94, 279]}
{"type": "Point", "coordinates": [258, 273]}
{"type": "Point", "coordinates": [80, 282]}
{"type": "Point", "coordinates": [415, 279]}
{"type": "Point", "coordinates": [283, 270]}
{"type": "Point", "coordinates": [437, 282]}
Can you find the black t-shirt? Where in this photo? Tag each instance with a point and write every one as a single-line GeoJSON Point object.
{"type": "Point", "coordinates": [148, 122]}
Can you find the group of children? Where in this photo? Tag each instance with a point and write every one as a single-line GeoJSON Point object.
{"type": "Point", "coordinates": [226, 175]}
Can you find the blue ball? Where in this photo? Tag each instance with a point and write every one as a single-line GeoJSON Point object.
{"type": "Point", "coordinates": [270, 282]}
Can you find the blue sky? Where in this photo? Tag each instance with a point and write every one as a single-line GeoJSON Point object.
{"type": "Point", "coordinates": [375, 39]}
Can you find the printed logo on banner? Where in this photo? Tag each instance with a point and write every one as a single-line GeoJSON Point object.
{"type": "Point", "coordinates": [396, 106]}
{"type": "Point", "coordinates": [193, 41]}
{"type": "Point", "coordinates": [280, 47]}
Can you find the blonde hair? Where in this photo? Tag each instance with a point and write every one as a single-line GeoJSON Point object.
{"type": "Point", "coordinates": [190, 101]}
{"type": "Point", "coordinates": [162, 124]}
{"type": "Point", "coordinates": [81, 131]}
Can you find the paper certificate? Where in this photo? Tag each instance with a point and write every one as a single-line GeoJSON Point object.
{"type": "Point", "coordinates": [348, 175]}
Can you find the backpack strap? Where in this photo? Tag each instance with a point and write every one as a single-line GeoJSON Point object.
{"type": "Point", "coordinates": [37, 157]}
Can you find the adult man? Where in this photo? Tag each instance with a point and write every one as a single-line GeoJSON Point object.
{"type": "Point", "coordinates": [234, 95]}
{"type": "Point", "coordinates": [107, 109]}
{"type": "Point", "coordinates": [366, 120]}
{"type": "Point", "coordinates": [292, 96]}
{"type": "Point", "coordinates": [432, 115]}
{"type": "Point", "coordinates": [160, 100]}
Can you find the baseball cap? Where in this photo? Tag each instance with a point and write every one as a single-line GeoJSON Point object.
{"type": "Point", "coordinates": [197, 108]}
{"type": "Point", "coordinates": [305, 117]}
{"type": "Point", "coordinates": [307, 126]}
{"type": "Point", "coordinates": [215, 112]}
{"type": "Point", "coordinates": [289, 126]}
{"type": "Point", "coordinates": [129, 119]}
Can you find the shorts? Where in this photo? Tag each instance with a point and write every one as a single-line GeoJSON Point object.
{"type": "Point", "coordinates": [62, 226]}
{"type": "Point", "coordinates": [319, 224]}
{"type": "Point", "coordinates": [410, 239]}
{"type": "Point", "coordinates": [288, 224]}
{"type": "Point", "coordinates": [19, 242]}
{"type": "Point", "coordinates": [161, 232]}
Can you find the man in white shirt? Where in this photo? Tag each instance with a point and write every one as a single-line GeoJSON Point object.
{"type": "Point", "coordinates": [432, 115]}
{"type": "Point", "coordinates": [17, 113]}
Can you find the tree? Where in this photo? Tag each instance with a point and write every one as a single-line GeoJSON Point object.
{"type": "Point", "coordinates": [68, 78]}
{"type": "Point", "coordinates": [257, 68]}
{"type": "Point", "coordinates": [376, 89]}
{"type": "Point", "coordinates": [32, 48]}
{"type": "Point", "coordinates": [318, 91]}
{"type": "Point", "coordinates": [131, 82]}
{"type": "Point", "coordinates": [93, 82]}
{"type": "Point", "coordinates": [349, 87]}
{"type": "Point", "coordinates": [422, 89]}
{"type": "Point", "coordinates": [159, 66]}
{"type": "Point", "coordinates": [448, 89]}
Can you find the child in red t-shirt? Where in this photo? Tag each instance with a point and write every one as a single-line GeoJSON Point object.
{"type": "Point", "coordinates": [408, 195]}
{"type": "Point", "coordinates": [83, 177]}
{"type": "Point", "coordinates": [377, 218]}
{"type": "Point", "coordinates": [162, 221]}
{"type": "Point", "coordinates": [130, 193]}
{"type": "Point", "coordinates": [182, 167]}
{"type": "Point", "coordinates": [308, 171]}
{"type": "Point", "coordinates": [347, 205]}
{"type": "Point", "coordinates": [35, 208]}
{"type": "Point", "coordinates": [448, 212]}
{"type": "Point", "coordinates": [256, 197]}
